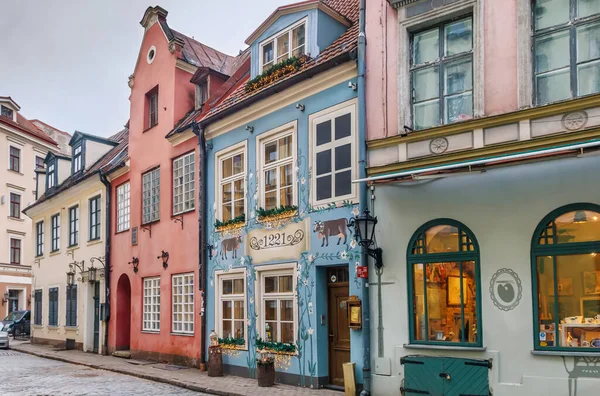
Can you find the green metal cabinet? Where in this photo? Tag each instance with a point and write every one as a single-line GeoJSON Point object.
{"type": "Point", "coordinates": [445, 376]}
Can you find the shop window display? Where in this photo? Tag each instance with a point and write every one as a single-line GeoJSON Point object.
{"type": "Point", "coordinates": [444, 291]}
{"type": "Point", "coordinates": [566, 272]}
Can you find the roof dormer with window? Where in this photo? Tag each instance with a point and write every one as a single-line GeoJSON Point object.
{"type": "Point", "coordinates": [300, 29]}
{"type": "Point", "coordinates": [9, 108]}
{"type": "Point", "coordinates": [58, 169]}
{"type": "Point", "coordinates": [86, 150]}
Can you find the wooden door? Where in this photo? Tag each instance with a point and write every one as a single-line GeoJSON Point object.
{"type": "Point", "coordinates": [339, 333]}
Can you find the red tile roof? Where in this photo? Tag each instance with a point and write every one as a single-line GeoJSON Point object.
{"type": "Point", "coordinates": [24, 125]}
{"type": "Point", "coordinates": [201, 55]}
{"type": "Point", "coordinates": [51, 127]}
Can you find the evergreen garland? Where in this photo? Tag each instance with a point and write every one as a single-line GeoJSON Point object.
{"type": "Point", "coordinates": [236, 220]}
{"type": "Point", "coordinates": [276, 71]}
{"type": "Point", "coordinates": [232, 341]}
{"type": "Point", "coordinates": [276, 211]}
{"type": "Point", "coordinates": [275, 346]}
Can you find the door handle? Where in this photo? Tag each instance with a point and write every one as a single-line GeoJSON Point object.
{"type": "Point", "coordinates": [445, 375]}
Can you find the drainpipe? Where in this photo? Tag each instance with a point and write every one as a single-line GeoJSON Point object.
{"type": "Point", "coordinates": [202, 273]}
{"type": "Point", "coordinates": [107, 258]}
{"type": "Point", "coordinates": [363, 195]}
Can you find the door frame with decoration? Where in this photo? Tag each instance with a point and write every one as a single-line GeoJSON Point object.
{"type": "Point", "coordinates": [337, 279]}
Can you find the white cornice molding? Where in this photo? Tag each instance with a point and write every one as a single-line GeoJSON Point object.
{"type": "Point", "coordinates": [183, 65]}
{"type": "Point", "coordinates": [118, 173]}
{"type": "Point", "coordinates": [309, 87]}
{"type": "Point", "coordinates": [182, 137]}
{"type": "Point", "coordinates": [27, 137]}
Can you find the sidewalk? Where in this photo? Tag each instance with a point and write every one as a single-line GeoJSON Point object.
{"type": "Point", "coordinates": [189, 378]}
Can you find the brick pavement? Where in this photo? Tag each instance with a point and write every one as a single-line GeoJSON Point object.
{"type": "Point", "coordinates": [189, 378]}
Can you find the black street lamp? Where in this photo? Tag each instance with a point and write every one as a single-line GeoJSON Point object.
{"type": "Point", "coordinates": [92, 275]}
{"type": "Point", "coordinates": [70, 278]}
{"type": "Point", "coordinates": [364, 232]}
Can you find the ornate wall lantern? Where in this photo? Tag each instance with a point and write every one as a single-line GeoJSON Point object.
{"type": "Point", "coordinates": [5, 299]}
{"type": "Point", "coordinates": [165, 258]}
{"type": "Point", "coordinates": [364, 232]}
{"type": "Point", "coordinates": [92, 275]}
{"type": "Point", "coordinates": [135, 262]}
{"type": "Point", "coordinates": [70, 278]}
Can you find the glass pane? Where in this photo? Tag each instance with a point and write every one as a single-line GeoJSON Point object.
{"type": "Point", "coordinates": [588, 42]}
{"type": "Point", "coordinates": [226, 309]}
{"type": "Point", "coordinates": [426, 46]}
{"type": "Point", "coordinates": [426, 84]}
{"type": "Point", "coordinates": [271, 200]}
{"type": "Point", "coordinates": [285, 147]}
{"type": "Point", "coordinates": [287, 332]}
{"type": "Point", "coordinates": [588, 78]}
{"type": "Point", "coordinates": [441, 239]}
{"type": "Point", "coordinates": [343, 157]}
{"type": "Point", "coordinates": [285, 175]}
{"type": "Point", "coordinates": [427, 114]}
{"type": "Point", "coordinates": [343, 126]}
{"type": "Point", "coordinates": [553, 86]}
{"type": "Point", "coordinates": [226, 196]}
{"type": "Point", "coordinates": [238, 207]}
{"type": "Point", "coordinates": [270, 152]}
{"type": "Point", "coordinates": [469, 298]}
{"type": "Point", "coordinates": [227, 215]}
{"type": "Point", "coordinates": [458, 76]}
{"type": "Point", "coordinates": [552, 51]}
{"type": "Point", "coordinates": [238, 286]}
{"type": "Point", "coordinates": [298, 36]}
{"type": "Point", "coordinates": [578, 285]}
{"type": "Point", "coordinates": [226, 165]}
{"type": "Point", "coordinates": [238, 164]}
{"type": "Point", "coordinates": [439, 296]}
{"type": "Point", "coordinates": [238, 187]}
{"type": "Point", "coordinates": [551, 13]}
{"type": "Point", "coordinates": [283, 47]}
{"type": "Point", "coordinates": [271, 284]}
{"type": "Point", "coordinates": [323, 187]}
{"type": "Point", "coordinates": [285, 196]}
{"type": "Point", "coordinates": [238, 310]}
{"type": "Point", "coordinates": [227, 329]}
{"type": "Point", "coordinates": [271, 309]}
{"type": "Point", "coordinates": [578, 226]}
{"type": "Point", "coordinates": [587, 7]}
{"type": "Point", "coordinates": [419, 303]}
{"type": "Point", "coordinates": [227, 286]}
{"type": "Point", "coordinates": [285, 284]}
{"type": "Point", "coordinates": [271, 331]}
{"type": "Point", "coordinates": [286, 310]}
{"type": "Point", "coordinates": [267, 53]}
{"type": "Point", "coordinates": [324, 162]}
{"type": "Point", "coordinates": [324, 132]}
{"type": "Point", "coordinates": [238, 329]}
{"type": "Point", "coordinates": [459, 37]}
{"type": "Point", "coordinates": [343, 183]}
{"type": "Point", "coordinates": [459, 107]}
{"type": "Point", "coordinates": [270, 179]}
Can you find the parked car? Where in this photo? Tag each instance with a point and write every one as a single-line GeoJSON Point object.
{"type": "Point", "coordinates": [4, 339]}
{"type": "Point", "coordinates": [17, 323]}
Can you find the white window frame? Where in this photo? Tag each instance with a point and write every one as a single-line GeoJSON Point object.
{"type": "Point", "coordinates": [331, 113]}
{"type": "Point", "coordinates": [21, 152]}
{"type": "Point", "coordinates": [51, 174]}
{"type": "Point", "coordinates": [240, 148]}
{"type": "Point", "coordinates": [178, 325]}
{"type": "Point", "coordinates": [187, 187]}
{"type": "Point", "coordinates": [123, 206]}
{"type": "Point", "coordinates": [39, 236]}
{"type": "Point", "coordinates": [273, 39]}
{"type": "Point", "coordinates": [289, 129]}
{"type": "Point", "coordinates": [152, 186]}
{"type": "Point", "coordinates": [21, 248]}
{"type": "Point", "coordinates": [275, 270]}
{"type": "Point", "coordinates": [433, 17]}
{"type": "Point", "coordinates": [21, 203]}
{"type": "Point", "coordinates": [78, 158]}
{"type": "Point", "coordinates": [78, 214]}
{"type": "Point", "coordinates": [57, 215]}
{"type": "Point", "coordinates": [220, 276]}
{"type": "Point", "coordinates": [151, 308]}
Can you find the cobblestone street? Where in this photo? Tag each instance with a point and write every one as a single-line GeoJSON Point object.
{"type": "Point", "coordinates": [24, 374]}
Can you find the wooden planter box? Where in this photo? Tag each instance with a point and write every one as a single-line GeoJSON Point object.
{"type": "Point", "coordinates": [265, 372]}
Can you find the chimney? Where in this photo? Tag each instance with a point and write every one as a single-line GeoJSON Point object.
{"type": "Point", "coordinates": [153, 15]}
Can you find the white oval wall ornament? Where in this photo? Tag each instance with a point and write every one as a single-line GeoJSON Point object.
{"type": "Point", "coordinates": [438, 145]}
{"type": "Point", "coordinates": [506, 289]}
{"type": "Point", "coordinates": [575, 120]}
{"type": "Point", "coordinates": [151, 55]}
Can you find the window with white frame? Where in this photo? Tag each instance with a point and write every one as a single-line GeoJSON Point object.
{"type": "Point", "coordinates": [39, 238]}
{"type": "Point", "coordinates": [334, 163]}
{"type": "Point", "coordinates": [231, 312]}
{"type": "Point", "coordinates": [6, 112]}
{"type": "Point", "coordinates": [51, 176]}
{"type": "Point", "coordinates": [277, 161]}
{"type": "Point", "coordinates": [151, 304]}
{"type": "Point", "coordinates": [55, 223]}
{"type": "Point", "coordinates": [442, 73]}
{"type": "Point", "coordinates": [184, 183]}
{"type": "Point", "coordinates": [39, 162]}
{"type": "Point", "coordinates": [183, 303]}
{"type": "Point", "coordinates": [15, 205]}
{"type": "Point", "coordinates": [566, 47]}
{"type": "Point", "coordinates": [15, 251]}
{"type": "Point", "coordinates": [123, 207]}
{"type": "Point", "coordinates": [151, 196]}
{"type": "Point", "coordinates": [73, 225]}
{"type": "Point", "coordinates": [14, 163]}
{"type": "Point", "coordinates": [283, 45]}
{"type": "Point", "coordinates": [231, 172]}
{"type": "Point", "coordinates": [77, 158]}
{"type": "Point", "coordinates": [94, 208]}
{"type": "Point", "coordinates": [278, 306]}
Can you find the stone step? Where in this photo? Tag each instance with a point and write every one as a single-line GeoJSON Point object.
{"type": "Point", "coordinates": [122, 354]}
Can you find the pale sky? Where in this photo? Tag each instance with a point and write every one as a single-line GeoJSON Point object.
{"type": "Point", "coordinates": [66, 62]}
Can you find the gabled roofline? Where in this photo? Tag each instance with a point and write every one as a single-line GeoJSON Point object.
{"type": "Point", "coordinates": [52, 154]}
{"type": "Point", "coordinates": [45, 138]}
{"type": "Point", "coordinates": [12, 102]}
{"type": "Point", "coordinates": [80, 135]}
{"type": "Point", "coordinates": [296, 7]}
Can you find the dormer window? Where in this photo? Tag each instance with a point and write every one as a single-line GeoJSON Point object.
{"type": "Point", "coordinates": [51, 176]}
{"type": "Point", "coordinates": [6, 112]}
{"type": "Point", "coordinates": [283, 45]}
{"type": "Point", "coordinates": [202, 93]}
{"type": "Point", "coordinates": [77, 159]}
{"type": "Point", "coordinates": [152, 108]}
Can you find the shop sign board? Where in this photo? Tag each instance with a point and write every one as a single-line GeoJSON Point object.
{"type": "Point", "coordinates": [285, 243]}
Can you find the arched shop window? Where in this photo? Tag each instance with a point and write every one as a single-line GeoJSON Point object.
{"type": "Point", "coordinates": [444, 291]}
{"type": "Point", "coordinates": [565, 257]}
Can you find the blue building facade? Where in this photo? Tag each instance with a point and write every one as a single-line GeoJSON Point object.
{"type": "Point", "coordinates": [282, 259]}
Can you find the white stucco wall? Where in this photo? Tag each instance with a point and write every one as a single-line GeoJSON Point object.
{"type": "Point", "coordinates": [502, 207]}
{"type": "Point", "coordinates": [94, 151]}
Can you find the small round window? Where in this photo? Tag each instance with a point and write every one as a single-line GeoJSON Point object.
{"type": "Point", "coordinates": [151, 54]}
